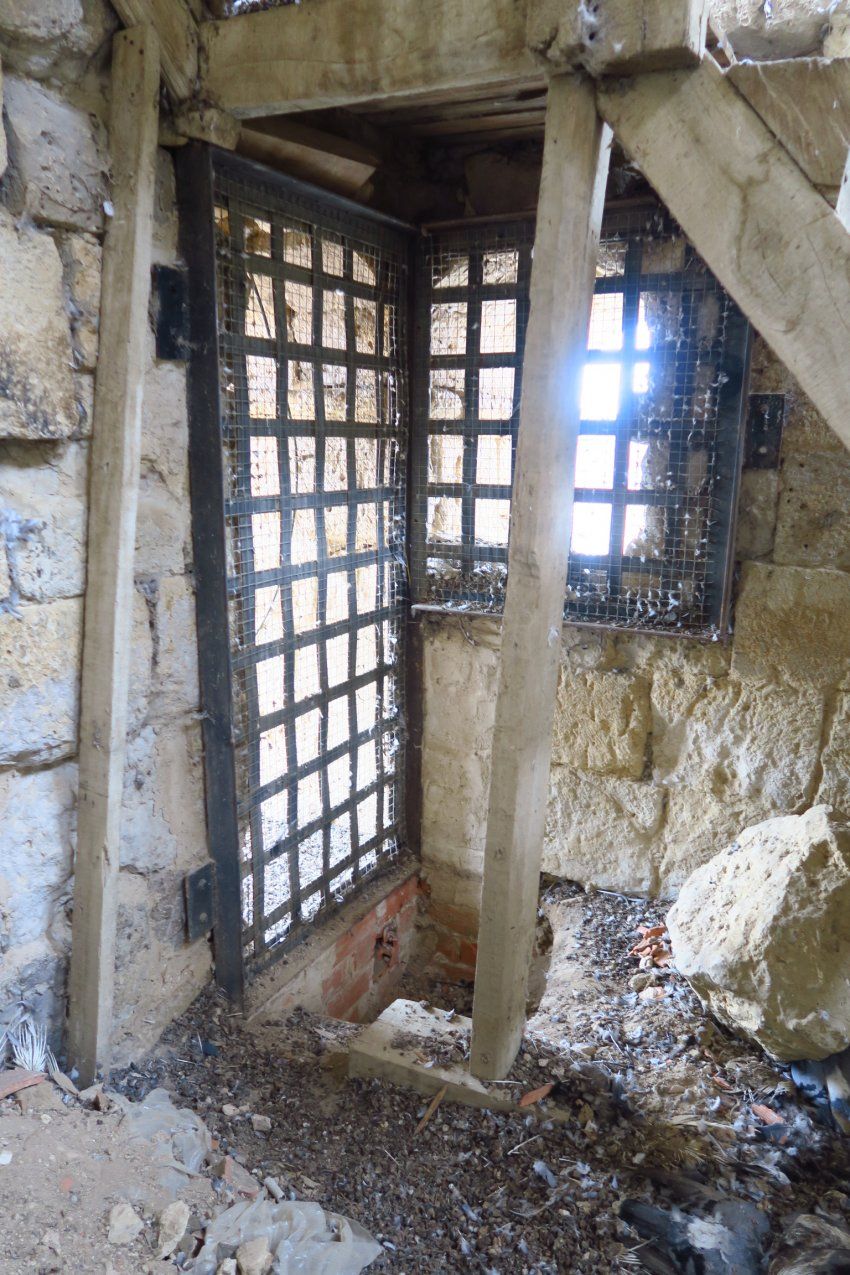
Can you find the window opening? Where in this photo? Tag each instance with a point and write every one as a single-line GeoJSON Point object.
{"type": "Point", "coordinates": [659, 451]}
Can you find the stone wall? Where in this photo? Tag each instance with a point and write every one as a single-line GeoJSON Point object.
{"type": "Point", "coordinates": [53, 205]}
{"type": "Point", "coordinates": [666, 748]}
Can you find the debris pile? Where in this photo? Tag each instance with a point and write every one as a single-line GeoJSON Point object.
{"type": "Point", "coordinates": [665, 1109]}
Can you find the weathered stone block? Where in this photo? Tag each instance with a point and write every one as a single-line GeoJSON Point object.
{"type": "Point", "coordinates": [40, 657]}
{"type": "Point", "coordinates": [37, 826]}
{"type": "Point", "coordinates": [156, 977]}
{"type": "Point", "coordinates": [164, 247]}
{"type": "Point", "coordinates": [834, 787]}
{"type": "Point", "coordinates": [36, 386]}
{"type": "Point", "coordinates": [175, 686]}
{"type": "Point", "coordinates": [56, 37]}
{"type": "Point", "coordinates": [82, 256]}
{"type": "Point", "coordinates": [58, 157]}
{"type": "Point", "coordinates": [756, 526]}
{"type": "Point", "coordinates": [162, 821]}
{"type": "Point", "coordinates": [44, 488]}
{"type": "Point", "coordinates": [783, 29]}
{"type": "Point", "coordinates": [602, 831]}
{"type": "Point", "coordinates": [761, 933]}
{"type": "Point", "coordinates": [791, 625]}
{"type": "Point", "coordinates": [812, 526]}
{"type": "Point", "coordinates": [739, 740]}
{"type": "Point", "coordinates": [165, 424]}
{"type": "Point", "coordinates": [141, 663]}
{"type": "Point", "coordinates": [39, 686]}
{"type": "Point", "coordinates": [602, 722]}
{"type": "Point", "coordinates": [4, 152]}
{"type": "Point", "coordinates": [163, 528]}
{"type": "Point", "coordinates": [460, 694]}
{"type": "Point", "coordinates": [729, 754]}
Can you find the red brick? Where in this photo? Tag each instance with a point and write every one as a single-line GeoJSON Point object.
{"type": "Point", "coordinates": [346, 944]}
{"type": "Point", "coordinates": [468, 953]}
{"type": "Point", "coordinates": [342, 1005]}
{"type": "Point", "coordinates": [402, 894]}
{"type": "Point", "coordinates": [338, 977]}
{"type": "Point", "coordinates": [407, 915]}
{"type": "Point", "coordinates": [460, 920]}
{"type": "Point", "coordinates": [448, 945]}
{"type": "Point", "coordinates": [451, 973]}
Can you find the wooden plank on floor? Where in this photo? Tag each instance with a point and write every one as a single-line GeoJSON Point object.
{"type": "Point", "coordinates": [575, 167]}
{"type": "Point", "coordinates": [774, 243]}
{"type": "Point", "coordinates": [113, 484]}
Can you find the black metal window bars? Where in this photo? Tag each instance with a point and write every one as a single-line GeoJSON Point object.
{"type": "Point", "coordinates": [661, 433]}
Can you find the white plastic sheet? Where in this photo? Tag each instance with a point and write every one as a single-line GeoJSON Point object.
{"type": "Point", "coordinates": [303, 1238]}
{"type": "Point", "coordinates": [180, 1141]}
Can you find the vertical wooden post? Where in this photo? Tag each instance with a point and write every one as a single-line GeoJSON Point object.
{"type": "Point", "coordinates": [572, 192]}
{"type": "Point", "coordinates": [113, 497]}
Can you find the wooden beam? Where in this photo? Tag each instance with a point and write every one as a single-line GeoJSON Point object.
{"type": "Point", "coordinates": [113, 482]}
{"type": "Point", "coordinates": [618, 37]}
{"type": "Point", "coordinates": [309, 153]}
{"type": "Point", "coordinates": [805, 102]}
{"type": "Point", "coordinates": [771, 239]}
{"type": "Point", "coordinates": [569, 215]}
{"type": "Point", "coordinates": [338, 52]}
{"type": "Point", "coordinates": [177, 29]}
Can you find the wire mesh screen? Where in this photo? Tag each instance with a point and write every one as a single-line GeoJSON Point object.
{"type": "Point", "coordinates": [471, 315]}
{"type": "Point", "coordinates": [659, 449]}
{"type": "Point", "coordinates": [315, 431]}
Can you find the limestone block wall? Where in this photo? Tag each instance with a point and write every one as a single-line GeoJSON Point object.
{"type": "Point", "coordinates": [782, 28]}
{"type": "Point", "coordinates": [665, 748]}
{"type": "Point", "coordinates": [53, 208]}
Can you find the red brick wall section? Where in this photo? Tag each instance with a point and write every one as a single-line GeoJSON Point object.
{"type": "Point", "coordinates": [368, 959]}
{"type": "Point", "coordinates": [456, 930]}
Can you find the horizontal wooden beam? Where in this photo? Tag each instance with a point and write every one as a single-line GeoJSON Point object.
{"type": "Point", "coordinates": [309, 153]}
{"type": "Point", "coordinates": [805, 102]}
{"type": "Point", "coordinates": [177, 30]}
{"type": "Point", "coordinates": [618, 37]}
{"type": "Point", "coordinates": [338, 52]}
{"type": "Point", "coordinates": [775, 244]}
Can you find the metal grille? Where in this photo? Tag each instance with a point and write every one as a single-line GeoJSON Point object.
{"type": "Point", "coordinates": [471, 314]}
{"type": "Point", "coordinates": [659, 450]}
{"type": "Point", "coordinates": [314, 426]}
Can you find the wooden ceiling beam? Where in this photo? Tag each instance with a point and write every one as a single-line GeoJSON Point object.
{"type": "Point", "coordinates": [339, 52]}
{"type": "Point", "coordinates": [175, 25]}
{"type": "Point", "coordinates": [332, 53]}
{"type": "Point", "coordinates": [805, 102]}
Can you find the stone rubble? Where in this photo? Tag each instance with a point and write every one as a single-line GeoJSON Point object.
{"type": "Point", "coordinates": [761, 933]}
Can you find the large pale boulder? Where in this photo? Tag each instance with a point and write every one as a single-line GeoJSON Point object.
{"type": "Point", "coordinates": [762, 933]}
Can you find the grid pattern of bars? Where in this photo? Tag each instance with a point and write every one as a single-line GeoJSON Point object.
{"type": "Point", "coordinates": [659, 449]}
{"type": "Point", "coordinates": [310, 302]}
{"type": "Point", "coordinates": [471, 314]}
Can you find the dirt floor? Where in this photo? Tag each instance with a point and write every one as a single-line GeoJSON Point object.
{"type": "Point", "coordinates": [668, 1111]}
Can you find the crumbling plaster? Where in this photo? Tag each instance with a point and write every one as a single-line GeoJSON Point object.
{"type": "Point", "coordinates": [665, 748]}
{"type": "Point", "coordinates": [53, 210]}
